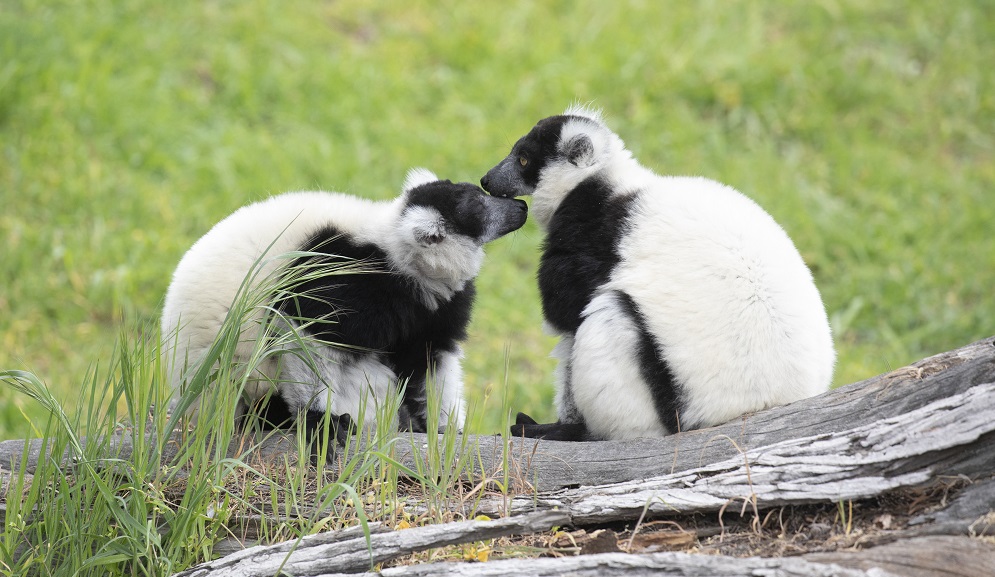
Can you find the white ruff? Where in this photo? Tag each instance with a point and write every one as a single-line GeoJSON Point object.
{"type": "Point", "coordinates": [441, 269]}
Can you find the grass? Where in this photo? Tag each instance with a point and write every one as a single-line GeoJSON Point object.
{"type": "Point", "coordinates": [99, 511]}
{"type": "Point", "coordinates": [128, 128]}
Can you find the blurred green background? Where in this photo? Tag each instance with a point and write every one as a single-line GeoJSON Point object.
{"type": "Point", "coordinates": [128, 128]}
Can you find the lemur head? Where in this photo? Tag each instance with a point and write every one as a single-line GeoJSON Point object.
{"type": "Point", "coordinates": [442, 226]}
{"type": "Point", "coordinates": [558, 153]}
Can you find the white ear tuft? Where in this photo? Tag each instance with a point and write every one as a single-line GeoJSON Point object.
{"type": "Point", "coordinates": [417, 177]}
{"type": "Point", "coordinates": [584, 111]}
{"type": "Point", "coordinates": [429, 235]}
{"type": "Point", "coordinates": [579, 150]}
{"type": "Point", "coordinates": [426, 225]}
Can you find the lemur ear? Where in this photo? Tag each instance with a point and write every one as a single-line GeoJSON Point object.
{"type": "Point", "coordinates": [429, 234]}
{"type": "Point", "coordinates": [417, 177]}
{"type": "Point", "coordinates": [580, 151]}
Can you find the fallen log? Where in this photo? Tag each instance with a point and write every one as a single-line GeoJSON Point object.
{"type": "Point", "coordinates": [928, 557]}
{"type": "Point", "coordinates": [623, 565]}
{"type": "Point", "coordinates": [549, 465]}
{"type": "Point", "coordinates": [924, 557]}
{"type": "Point", "coordinates": [353, 553]}
{"type": "Point", "coordinates": [920, 557]}
{"type": "Point", "coordinates": [952, 436]}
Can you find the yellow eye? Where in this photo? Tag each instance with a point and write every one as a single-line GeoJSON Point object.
{"type": "Point", "coordinates": [523, 161]}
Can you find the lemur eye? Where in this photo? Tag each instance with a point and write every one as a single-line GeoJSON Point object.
{"type": "Point", "coordinates": [523, 161]}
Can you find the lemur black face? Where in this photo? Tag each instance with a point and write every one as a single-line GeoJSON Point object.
{"type": "Point", "coordinates": [466, 210]}
{"type": "Point", "coordinates": [456, 203]}
{"type": "Point", "coordinates": [533, 151]}
{"type": "Point", "coordinates": [518, 174]}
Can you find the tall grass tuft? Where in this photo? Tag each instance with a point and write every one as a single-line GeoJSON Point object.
{"type": "Point", "coordinates": [108, 501]}
{"type": "Point", "coordinates": [134, 486]}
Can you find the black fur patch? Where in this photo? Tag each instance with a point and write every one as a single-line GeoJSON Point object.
{"type": "Point", "coordinates": [580, 250]}
{"type": "Point", "coordinates": [274, 413]}
{"type": "Point", "coordinates": [667, 394]}
{"type": "Point", "coordinates": [557, 431]}
{"type": "Point", "coordinates": [377, 311]}
{"type": "Point", "coordinates": [460, 204]}
{"type": "Point", "coordinates": [538, 147]}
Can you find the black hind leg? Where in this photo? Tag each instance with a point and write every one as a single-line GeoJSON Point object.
{"type": "Point", "coordinates": [525, 426]}
{"type": "Point", "coordinates": [274, 413]}
{"type": "Point", "coordinates": [340, 427]}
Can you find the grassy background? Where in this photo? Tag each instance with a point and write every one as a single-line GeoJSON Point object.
{"type": "Point", "coordinates": [128, 128]}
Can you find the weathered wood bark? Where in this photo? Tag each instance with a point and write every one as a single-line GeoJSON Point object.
{"type": "Point", "coordinates": [920, 557]}
{"type": "Point", "coordinates": [925, 557]}
{"type": "Point", "coordinates": [320, 554]}
{"type": "Point", "coordinates": [928, 557]}
{"type": "Point", "coordinates": [623, 565]}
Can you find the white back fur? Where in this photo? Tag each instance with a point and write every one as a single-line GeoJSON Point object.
{"type": "Point", "coordinates": [207, 279]}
